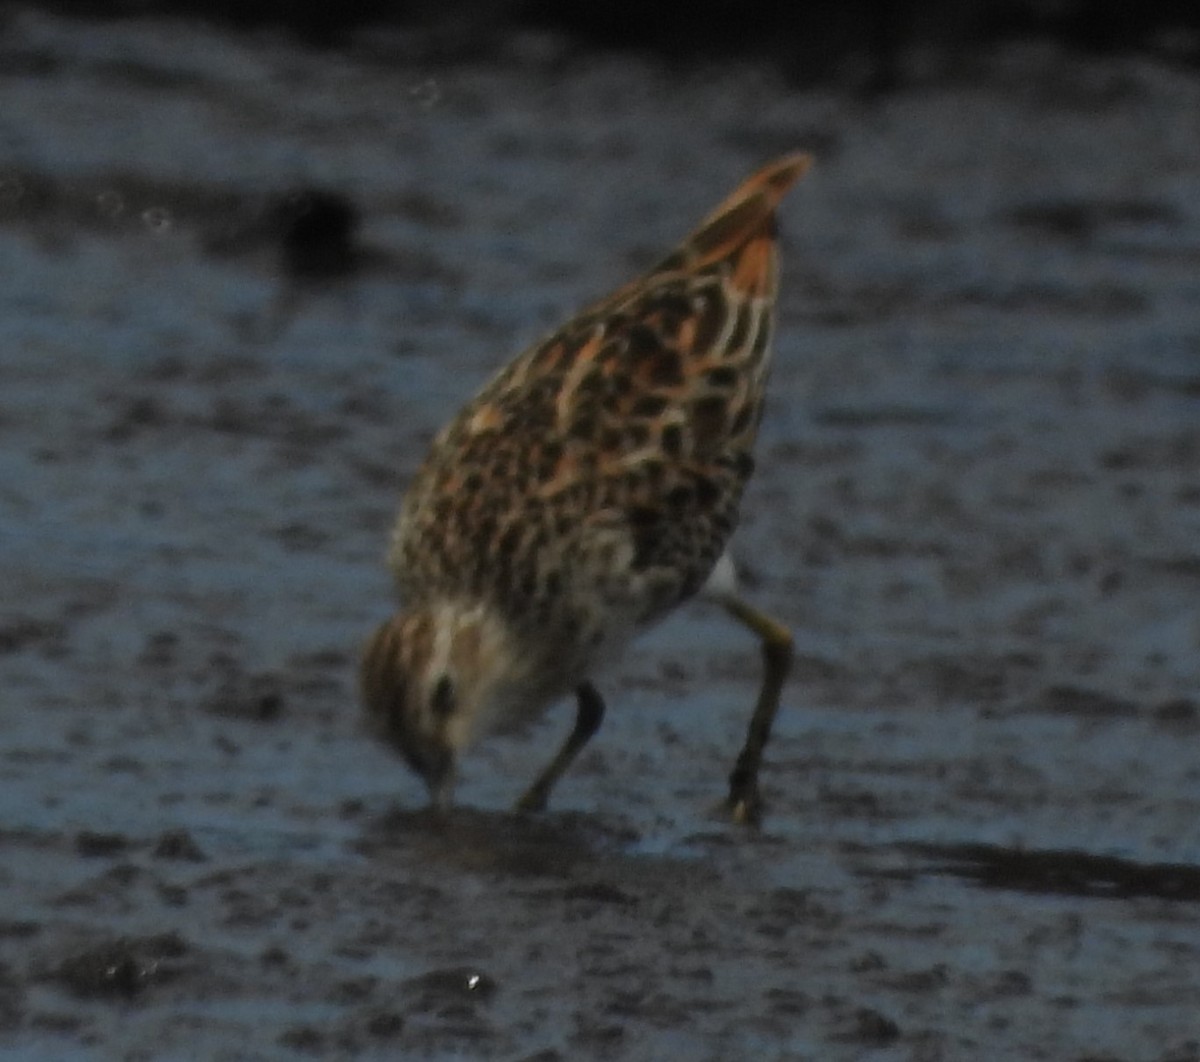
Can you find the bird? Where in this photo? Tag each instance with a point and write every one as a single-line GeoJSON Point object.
{"type": "Point", "coordinates": [588, 490]}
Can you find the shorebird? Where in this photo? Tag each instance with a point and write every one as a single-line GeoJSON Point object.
{"type": "Point", "coordinates": [587, 491]}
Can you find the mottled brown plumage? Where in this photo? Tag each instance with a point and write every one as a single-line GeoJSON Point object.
{"type": "Point", "coordinates": [588, 490]}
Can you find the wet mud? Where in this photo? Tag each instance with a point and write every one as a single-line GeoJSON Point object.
{"type": "Point", "coordinates": [245, 283]}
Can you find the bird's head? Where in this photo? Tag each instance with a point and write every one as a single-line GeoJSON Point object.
{"type": "Point", "coordinates": [427, 678]}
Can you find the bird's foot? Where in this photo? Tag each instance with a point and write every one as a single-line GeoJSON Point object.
{"type": "Point", "coordinates": [533, 799]}
{"type": "Point", "coordinates": [744, 805]}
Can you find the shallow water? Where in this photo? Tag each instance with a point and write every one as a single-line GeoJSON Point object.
{"type": "Point", "coordinates": [978, 507]}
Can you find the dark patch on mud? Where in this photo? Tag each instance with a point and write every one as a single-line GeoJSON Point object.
{"type": "Point", "coordinates": [121, 968]}
{"type": "Point", "coordinates": [93, 845]}
{"type": "Point", "coordinates": [1063, 873]}
{"type": "Point", "coordinates": [517, 846]}
{"type": "Point", "coordinates": [178, 846]}
{"type": "Point", "coordinates": [25, 632]}
{"type": "Point", "coordinates": [1084, 219]}
{"type": "Point", "coordinates": [257, 697]}
{"type": "Point", "coordinates": [1085, 703]}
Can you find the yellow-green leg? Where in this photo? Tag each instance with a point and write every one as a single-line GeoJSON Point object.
{"type": "Point", "coordinates": [745, 803]}
{"type": "Point", "coordinates": [588, 716]}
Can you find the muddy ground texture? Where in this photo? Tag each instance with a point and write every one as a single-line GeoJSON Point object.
{"type": "Point", "coordinates": [978, 507]}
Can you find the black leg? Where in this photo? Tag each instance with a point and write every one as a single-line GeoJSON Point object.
{"type": "Point", "coordinates": [745, 803]}
{"type": "Point", "coordinates": [588, 716]}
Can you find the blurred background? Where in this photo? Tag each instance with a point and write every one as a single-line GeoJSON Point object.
{"type": "Point", "coordinates": [812, 42]}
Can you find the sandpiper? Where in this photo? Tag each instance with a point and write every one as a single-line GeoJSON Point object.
{"type": "Point", "coordinates": [588, 490]}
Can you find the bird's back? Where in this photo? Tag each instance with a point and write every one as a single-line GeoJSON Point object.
{"type": "Point", "coordinates": [595, 481]}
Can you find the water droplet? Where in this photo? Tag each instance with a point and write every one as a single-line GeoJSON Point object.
{"type": "Point", "coordinates": [157, 219]}
{"type": "Point", "coordinates": [426, 94]}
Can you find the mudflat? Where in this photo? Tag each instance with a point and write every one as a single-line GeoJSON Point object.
{"type": "Point", "coordinates": [977, 505]}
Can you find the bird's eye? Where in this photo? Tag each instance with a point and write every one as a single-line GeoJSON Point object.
{"type": "Point", "coordinates": [442, 700]}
